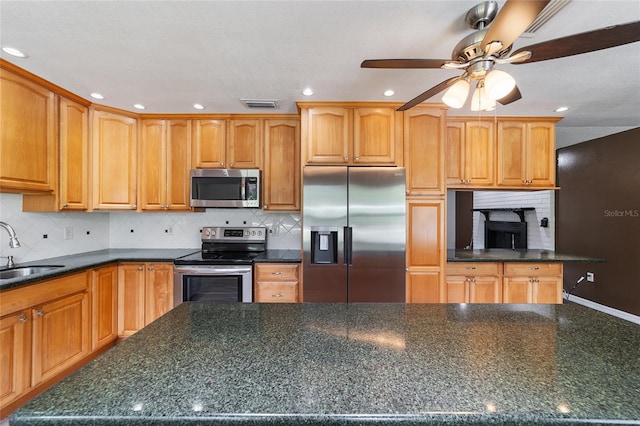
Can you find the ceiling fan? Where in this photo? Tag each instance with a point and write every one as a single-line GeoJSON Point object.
{"type": "Point", "coordinates": [478, 53]}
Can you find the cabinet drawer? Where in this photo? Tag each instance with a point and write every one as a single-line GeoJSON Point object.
{"type": "Point", "coordinates": [277, 272]}
{"type": "Point", "coordinates": [473, 268]}
{"type": "Point", "coordinates": [532, 269]}
{"type": "Point", "coordinates": [277, 292]}
{"type": "Point", "coordinates": [45, 291]}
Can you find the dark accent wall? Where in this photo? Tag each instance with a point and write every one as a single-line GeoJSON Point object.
{"type": "Point", "coordinates": [464, 219]}
{"type": "Point", "coordinates": [598, 215]}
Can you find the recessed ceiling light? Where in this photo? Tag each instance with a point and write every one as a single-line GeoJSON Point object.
{"type": "Point", "coordinates": [139, 106]}
{"type": "Point", "coordinates": [562, 109]}
{"type": "Point", "coordinates": [198, 106]}
{"type": "Point", "coordinates": [389, 92]}
{"type": "Point", "coordinates": [96, 95]}
{"type": "Point", "coordinates": [14, 52]}
{"type": "Point", "coordinates": [307, 91]}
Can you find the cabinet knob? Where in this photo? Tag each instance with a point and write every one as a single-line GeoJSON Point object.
{"type": "Point", "coordinates": [346, 158]}
{"type": "Point", "coordinates": [151, 268]}
{"type": "Point", "coordinates": [40, 313]}
{"type": "Point", "coordinates": [133, 207]}
{"type": "Point", "coordinates": [65, 205]}
{"type": "Point", "coordinates": [231, 164]}
{"type": "Point", "coordinates": [222, 164]}
{"type": "Point", "coordinates": [357, 159]}
{"type": "Point", "coordinates": [140, 268]}
{"type": "Point", "coordinates": [22, 318]}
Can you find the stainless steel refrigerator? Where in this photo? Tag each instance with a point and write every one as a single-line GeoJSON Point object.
{"type": "Point", "coordinates": [353, 234]}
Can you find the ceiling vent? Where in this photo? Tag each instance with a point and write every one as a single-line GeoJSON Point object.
{"type": "Point", "coordinates": [259, 103]}
{"type": "Point", "coordinates": [547, 13]}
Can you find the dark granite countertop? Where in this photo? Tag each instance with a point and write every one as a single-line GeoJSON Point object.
{"type": "Point", "coordinates": [507, 255]}
{"type": "Point", "coordinates": [338, 364]}
{"type": "Point", "coordinates": [279, 256]}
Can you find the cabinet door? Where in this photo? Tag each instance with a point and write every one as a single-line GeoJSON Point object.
{"type": "Point", "coordinates": [114, 161]}
{"type": "Point", "coordinates": [547, 290]}
{"type": "Point", "coordinates": [209, 143]}
{"type": "Point", "coordinates": [485, 289]}
{"type": "Point", "coordinates": [158, 295]}
{"type": "Point", "coordinates": [425, 233]}
{"type": "Point", "coordinates": [479, 153]}
{"type": "Point", "coordinates": [244, 146]}
{"type": "Point", "coordinates": [60, 335]}
{"type": "Point", "coordinates": [424, 151]}
{"type": "Point", "coordinates": [104, 306]}
{"type": "Point", "coordinates": [281, 180]}
{"type": "Point", "coordinates": [178, 164]}
{"type": "Point", "coordinates": [153, 160]}
{"type": "Point", "coordinates": [15, 355]}
{"type": "Point", "coordinates": [28, 136]}
{"type": "Point", "coordinates": [424, 287]}
{"type": "Point", "coordinates": [74, 155]}
{"type": "Point", "coordinates": [541, 154]}
{"type": "Point", "coordinates": [374, 140]}
{"type": "Point", "coordinates": [276, 292]}
{"type": "Point", "coordinates": [457, 289]}
{"type": "Point", "coordinates": [512, 153]}
{"type": "Point", "coordinates": [131, 303]}
{"type": "Point", "coordinates": [455, 153]}
{"type": "Point", "coordinates": [517, 290]}
{"type": "Point", "coordinates": [328, 135]}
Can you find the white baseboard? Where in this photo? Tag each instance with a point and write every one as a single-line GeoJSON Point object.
{"type": "Point", "coordinates": [602, 308]}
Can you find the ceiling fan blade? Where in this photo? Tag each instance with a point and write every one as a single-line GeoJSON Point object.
{"type": "Point", "coordinates": [513, 96]}
{"type": "Point", "coordinates": [403, 63]}
{"type": "Point", "coordinates": [429, 93]}
{"type": "Point", "coordinates": [514, 17]}
{"type": "Point", "coordinates": [577, 44]}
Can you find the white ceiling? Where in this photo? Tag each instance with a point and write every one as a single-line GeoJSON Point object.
{"type": "Point", "coordinates": [169, 54]}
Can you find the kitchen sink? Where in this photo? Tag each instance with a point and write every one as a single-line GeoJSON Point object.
{"type": "Point", "coordinates": [23, 271]}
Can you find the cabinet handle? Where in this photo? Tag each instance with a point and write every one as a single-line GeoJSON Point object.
{"type": "Point", "coordinates": [140, 268]}
{"type": "Point", "coordinates": [231, 164]}
{"type": "Point", "coordinates": [222, 164]}
{"type": "Point", "coordinates": [133, 207]}
{"type": "Point", "coordinates": [470, 267]}
{"type": "Point", "coordinates": [357, 159]}
{"type": "Point", "coordinates": [533, 268]}
{"type": "Point", "coordinates": [151, 268]}
{"type": "Point", "coordinates": [277, 295]}
{"type": "Point", "coordinates": [277, 273]}
{"type": "Point", "coordinates": [65, 205]}
{"type": "Point", "coordinates": [346, 158]}
{"type": "Point", "coordinates": [22, 318]}
{"type": "Point", "coordinates": [40, 313]}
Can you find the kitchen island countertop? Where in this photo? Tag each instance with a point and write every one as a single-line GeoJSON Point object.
{"type": "Point", "coordinates": [519, 255]}
{"type": "Point", "coordinates": [337, 364]}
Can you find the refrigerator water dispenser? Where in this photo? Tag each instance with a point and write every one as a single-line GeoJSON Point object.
{"type": "Point", "coordinates": [324, 245]}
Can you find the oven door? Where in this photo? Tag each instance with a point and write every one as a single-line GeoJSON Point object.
{"type": "Point", "coordinates": [212, 283]}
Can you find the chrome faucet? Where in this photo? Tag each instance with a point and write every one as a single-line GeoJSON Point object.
{"type": "Point", "coordinates": [13, 239]}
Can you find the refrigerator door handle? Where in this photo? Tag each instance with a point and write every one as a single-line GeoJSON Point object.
{"type": "Point", "coordinates": [348, 245]}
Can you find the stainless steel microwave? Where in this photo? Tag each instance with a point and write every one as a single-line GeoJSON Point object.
{"type": "Point", "coordinates": [225, 188]}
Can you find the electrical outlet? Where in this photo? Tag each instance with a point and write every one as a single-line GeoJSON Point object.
{"type": "Point", "coordinates": [591, 277]}
{"type": "Point", "coordinates": [68, 233]}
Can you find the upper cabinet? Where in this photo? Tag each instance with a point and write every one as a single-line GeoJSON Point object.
{"type": "Point", "coordinates": [28, 135]}
{"type": "Point", "coordinates": [114, 167]}
{"type": "Point", "coordinates": [165, 160]}
{"type": "Point", "coordinates": [281, 178]}
{"type": "Point", "coordinates": [424, 129]}
{"type": "Point", "coordinates": [227, 144]}
{"type": "Point", "coordinates": [339, 134]}
{"type": "Point", "coordinates": [526, 154]}
{"type": "Point", "coordinates": [502, 153]}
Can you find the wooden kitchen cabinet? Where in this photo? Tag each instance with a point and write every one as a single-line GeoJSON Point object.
{"type": "Point", "coordinates": [28, 135]}
{"type": "Point", "coordinates": [277, 283]}
{"type": "Point", "coordinates": [424, 144]}
{"type": "Point", "coordinates": [281, 178]}
{"type": "Point", "coordinates": [351, 134]}
{"type": "Point", "coordinates": [15, 356]}
{"type": "Point", "coordinates": [225, 143]}
{"type": "Point", "coordinates": [526, 154]}
{"type": "Point", "coordinates": [244, 144]}
{"type": "Point", "coordinates": [209, 143]}
{"type": "Point", "coordinates": [145, 292]}
{"type": "Point", "coordinates": [114, 161]}
{"type": "Point", "coordinates": [470, 153]}
{"type": "Point", "coordinates": [533, 283]}
{"type": "Point", "coordinates": [73, 181]}
{"type": "Point", "coordinates": [104, 306]}
{"type": "Point", "coordinates": [165, 161]}
{"type": "Point", "coordinates": [426, 250]}
{"type": "Point", "coordinates": [474, 282]}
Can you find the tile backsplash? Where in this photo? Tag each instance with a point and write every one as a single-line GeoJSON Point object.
{"type": "Point", "coordinates": [45, 235]}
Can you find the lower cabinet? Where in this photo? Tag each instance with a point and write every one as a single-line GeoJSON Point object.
{"type": "Point", "coordinates": [44, 330]}
{"type": "Point", "coordinates": [145, 292]}
{"type": "Point", "coordinates": [423, 286]}
{"type": "Point", "coordinates": [104, 306]}
{"type": "Point", "coordinates": [276, 283]}
{"type": "Point", "coordinates": [474, 282]}
{"type": "Point", "coordinates": [533, 282]}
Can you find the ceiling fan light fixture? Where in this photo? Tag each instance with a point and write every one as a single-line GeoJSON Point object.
{"type": "Point", "coordinates": [456, 95]}
{"type": "Point", "coordinates": [480, 101]}
{"type": "Point", "coordinates": [498, 84]}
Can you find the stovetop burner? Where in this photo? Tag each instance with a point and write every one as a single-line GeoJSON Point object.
{"type": "Point", "coordinates": [226, 245]}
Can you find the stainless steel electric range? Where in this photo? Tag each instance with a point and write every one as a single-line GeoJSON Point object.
{"type": "Point", "coordinates": [222, 271]}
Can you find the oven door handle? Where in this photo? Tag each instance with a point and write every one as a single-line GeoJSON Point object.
{"type": "Point", "coordinates": [212, 271]}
